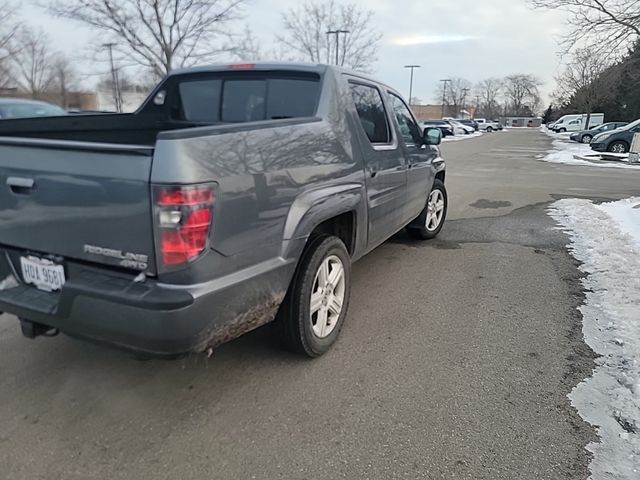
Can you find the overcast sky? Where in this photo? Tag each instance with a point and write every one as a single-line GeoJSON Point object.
{"type": "Point", "coordinates": [449, 38]}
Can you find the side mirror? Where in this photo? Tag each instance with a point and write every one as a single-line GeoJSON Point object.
{"type": "Point", "coordinates": [432, 136]}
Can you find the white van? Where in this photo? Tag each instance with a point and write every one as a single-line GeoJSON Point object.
{"type": "Point", "coordinates": [577, 123]}
{"type": "Point", "coordinates": [563, 122]}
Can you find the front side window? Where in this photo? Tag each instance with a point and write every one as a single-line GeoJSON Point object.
{"type": "Point", "coordinates": [373, 116]}
{"type": "Point", "coordinates": [408, 127]}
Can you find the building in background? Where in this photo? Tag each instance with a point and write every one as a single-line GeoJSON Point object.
{"type": "Point", "coordinates": [434, 112]}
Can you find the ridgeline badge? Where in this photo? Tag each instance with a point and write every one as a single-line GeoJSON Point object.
{"type": "Point", "coordinates": [137, 261]}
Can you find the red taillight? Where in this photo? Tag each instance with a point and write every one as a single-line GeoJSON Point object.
{"type": "Point", "coordinates": [183, 218]}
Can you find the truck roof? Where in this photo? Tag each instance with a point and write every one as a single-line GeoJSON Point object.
{"type": "Point", "coordinates": [319, 68]}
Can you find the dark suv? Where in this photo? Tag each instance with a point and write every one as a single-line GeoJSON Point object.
{"type": "Point", "coordinates": [616, 141]}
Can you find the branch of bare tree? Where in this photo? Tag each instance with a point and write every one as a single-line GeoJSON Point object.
{"type": "Point", "coordinates": [306, 29]}
{"type": "Point", "coordinates": [158, 34]}
{"type": "Point", "coordinates": [606, 26]}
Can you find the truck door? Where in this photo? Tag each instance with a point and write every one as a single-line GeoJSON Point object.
{"type": "Point", "coordinates": [419, 157]}
{"type": "Point", "coordinates": [384, 163]}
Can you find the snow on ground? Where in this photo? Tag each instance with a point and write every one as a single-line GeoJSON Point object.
{"type": "Point", "coordinates": [564, 150]}
{"type": "Point", "coordinates": [457, 138]}
{"type": "Point", "coordinates": [606, 240]}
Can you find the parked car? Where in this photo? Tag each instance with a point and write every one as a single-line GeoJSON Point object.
{"type": "Point", "coordinates": [445, 127]}
{"type": "Point", "coordinates": [470, 123]}
{"type": "Point", "coordinates": [458, 128]}
{"type": "Point", "coordinates": [616, 141]}
{"type": "Point", "coordinates": [585, 136]}
{"type": "Point", "coordinates": [235, 196]}
{"type": "Point", "coordinates": [20, 108]}
{"type": "Point", "coordinates": [487, 125]}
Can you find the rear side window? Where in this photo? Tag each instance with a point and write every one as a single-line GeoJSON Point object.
{"type": "Point", "coordinates": [371, 111]}
{"type": "Point", "coordinates": [237, 100]}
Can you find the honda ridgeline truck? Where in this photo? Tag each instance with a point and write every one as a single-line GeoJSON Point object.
{"type": "Point", "coordinates": [235, 196]}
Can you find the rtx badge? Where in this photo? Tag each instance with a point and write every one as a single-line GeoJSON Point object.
{"type": "Point", "coordinates": [137, 261]}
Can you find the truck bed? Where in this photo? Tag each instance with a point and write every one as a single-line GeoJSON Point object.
{"type": "Point", "coordinates": [127, 128]}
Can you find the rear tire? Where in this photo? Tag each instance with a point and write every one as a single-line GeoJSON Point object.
{"type": "Point", "coordinates": [314, 309]}
{"type": "Point", "coordinates": [618, 147]}
{"type": "Point", "coordinates": [425, 227]}
{"type": "Point", "coordinates": [489, 129]}
{"type": "Point", "coordinates": [587, 139]}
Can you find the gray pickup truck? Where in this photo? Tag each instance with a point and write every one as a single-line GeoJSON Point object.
{"type": "Point", "coordinates": [235, 196]}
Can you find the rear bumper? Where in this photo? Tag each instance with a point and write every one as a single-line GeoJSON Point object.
{"type": "Point", "coordinates": [151, 317]}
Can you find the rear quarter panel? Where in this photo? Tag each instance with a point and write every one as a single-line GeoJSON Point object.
{"type": "Point", "coordinates": [262, 171]}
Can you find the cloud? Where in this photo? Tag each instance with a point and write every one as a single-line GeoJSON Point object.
{"type": "Point", "coordinates": [426, 39]}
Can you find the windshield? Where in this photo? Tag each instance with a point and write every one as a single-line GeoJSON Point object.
{"type": "Point", "coordinates": [27, 110]}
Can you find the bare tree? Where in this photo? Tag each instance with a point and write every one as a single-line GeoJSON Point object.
{"type": "Point", "coordinates": [584, 82]}
{"type": "Point", "coordinates": [522, 94]}
{"type": "Point", "coordinates": [455, 96]}
{"type": "Point", "coordinates": [251, 49]}
{"type": "Point", "coordinates": [31, 65]}
{"type": "Point", "coordinates": [8, 29]}
{"type": "Point", "coordinates": [157, 34]}
{"type": "Point", "coordinates": [306, 28]}
{"type": "Point", "coordinates": [605, 25]}
{"type": "Point", "coordinates": [488, 91]}
{"type": "Point", "coordinates": [64, 79]}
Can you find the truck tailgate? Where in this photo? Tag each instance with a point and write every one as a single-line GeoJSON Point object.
{"type": "Point", "coordinates": [83, 201]}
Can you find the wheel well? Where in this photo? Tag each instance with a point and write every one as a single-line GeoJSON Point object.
{"type": "Point", "coordinates": [342, 226]}
{"type": "Point", "coordinates": [440, 176]}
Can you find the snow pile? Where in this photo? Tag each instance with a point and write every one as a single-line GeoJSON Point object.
{"type": "Point", "coordinates": [457, 138]}
{"type": "Point", "coordinates": [606, 239]}
{"type": "Point", "coordinates": [564, 151]}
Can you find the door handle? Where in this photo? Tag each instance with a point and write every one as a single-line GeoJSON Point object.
{"type": "Point", "coordinates": [20, 185]}
{"type": "Point", "coordinates": [373, 173]}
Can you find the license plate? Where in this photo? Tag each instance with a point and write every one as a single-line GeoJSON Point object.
{"type": "Point", "coordinates": [42, 273]}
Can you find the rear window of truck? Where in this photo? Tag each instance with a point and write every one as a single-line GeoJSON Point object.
{"type": "Point", "coordinates": [249, 99]}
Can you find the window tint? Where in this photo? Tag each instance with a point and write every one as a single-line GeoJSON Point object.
{"type": "Point", "coordinates": [201, 100]}
{"type": "Point", "coordinates": [289, 98]}
{"type": "Point", "coordinates": [371, 112]}
{"type": "Point", "coordinates": [246, 99]}
{"type": "Point", "coordinates": [408, 127]}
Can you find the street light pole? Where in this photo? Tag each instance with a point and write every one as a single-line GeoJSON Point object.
{"type": "Point", "coordinates": [412, 68]}
{"type": "Point", "coordinates": [464, 99]}
{"type": "Point", "coordinates": [337, 34]}
{"type": "Point", "coordinates": [114, 78]}
{"type": "Point", "coordinates": [444, 93]}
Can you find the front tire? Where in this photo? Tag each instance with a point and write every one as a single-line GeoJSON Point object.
{"type": "Point", "coordinates": [489, 129]}
{"type": "Point", "coordinates": [431, 219]}
{"type": "Point", "coordinates": [562, 130]}
{"type": "Point", "coordinates": [618, 147]}
{"type": "Point", "coordinates": [312, 314]}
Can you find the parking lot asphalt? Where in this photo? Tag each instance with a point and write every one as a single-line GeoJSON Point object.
{"type": "Point", "coordinates": [455, 361]}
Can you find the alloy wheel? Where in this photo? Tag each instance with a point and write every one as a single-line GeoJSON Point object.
{"type": "Point", "coordinates": [435, 210]}
{"type": "Point", "coordinates": [327, 296]}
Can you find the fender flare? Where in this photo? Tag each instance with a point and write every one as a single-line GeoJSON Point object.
{"type": "Point", "coordinates": [316, 206]}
